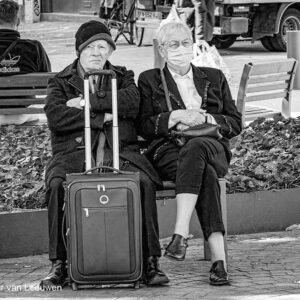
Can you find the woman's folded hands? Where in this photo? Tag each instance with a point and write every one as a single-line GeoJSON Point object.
{"type": "Point", "coordinates": [184, 118]}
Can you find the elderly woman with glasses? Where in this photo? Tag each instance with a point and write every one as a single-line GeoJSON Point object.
{"type": "Point", "coordinates": [197, 95]}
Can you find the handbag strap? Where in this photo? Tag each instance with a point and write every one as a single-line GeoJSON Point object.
{"type": "Point", "coordinates": [8, 49]}
{"type": "Point", "coordinates": [163, 79]}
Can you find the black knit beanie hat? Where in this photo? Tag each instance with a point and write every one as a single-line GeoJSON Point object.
{"type": "Point", "coordinates": [92, 31]}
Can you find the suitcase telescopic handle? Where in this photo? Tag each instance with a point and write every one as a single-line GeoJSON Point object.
{"type": "Point", "coordinates": [115, 128]}
{"type": "Point", "coordinates": [100, 72]}
{"type": "Point", "coordinates": [107, 168]}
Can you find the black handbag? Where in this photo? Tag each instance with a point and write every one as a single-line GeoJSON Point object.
{"type": "Point", "coordinates": [181, 137]}
{"type": "Point", "coordinates": [205, 129]}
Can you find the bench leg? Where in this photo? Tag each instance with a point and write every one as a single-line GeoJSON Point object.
{"type": "Point", "coordinates": [207, 255]}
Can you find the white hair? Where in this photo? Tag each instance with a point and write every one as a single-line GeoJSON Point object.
{"type": "Point", "coordinates": [170, 28]}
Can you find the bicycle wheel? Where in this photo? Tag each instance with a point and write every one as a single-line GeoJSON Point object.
{"type": "Point", "coordinates": [138, 35]}
{"type": "Point", "coordinates": [115, 28]}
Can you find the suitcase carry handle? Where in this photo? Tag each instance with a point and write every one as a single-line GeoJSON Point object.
{"type": "Point", "coordinates": [100, 72]}
{"type": "Point", "coordinates": [107, 168]}
{"type": "Point", "coordinates": [115, 128]}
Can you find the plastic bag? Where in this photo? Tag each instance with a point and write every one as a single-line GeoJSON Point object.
{"type": "Point", "coordinates": [173, 16]}
{"type": "Point", "coordinates": [107, 3]}
{"type": "Point", "coordinates": [209, 56]}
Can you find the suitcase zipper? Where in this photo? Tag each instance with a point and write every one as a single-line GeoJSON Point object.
{"type": "Point", "coordinates": [88, 210]}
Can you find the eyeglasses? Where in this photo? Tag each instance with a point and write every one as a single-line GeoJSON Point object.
{"type": "Point", "coordinates": [175, 44]}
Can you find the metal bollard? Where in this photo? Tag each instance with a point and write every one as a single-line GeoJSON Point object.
{"type": "Point", "coordinates": [293, 51]}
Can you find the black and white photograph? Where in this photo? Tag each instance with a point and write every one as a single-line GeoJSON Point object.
{"type": "Point", "coordinates": [150, 149]}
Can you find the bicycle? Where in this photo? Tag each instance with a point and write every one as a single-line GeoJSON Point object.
{"type": "Point", "coordinates": [120, 23]}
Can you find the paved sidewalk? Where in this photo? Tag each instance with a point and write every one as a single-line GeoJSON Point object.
{"type": "Point", "coordinates": [262, 266]}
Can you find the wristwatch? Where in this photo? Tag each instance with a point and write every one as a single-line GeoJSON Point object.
{"type": "Point", "coordinates": [82, 102]}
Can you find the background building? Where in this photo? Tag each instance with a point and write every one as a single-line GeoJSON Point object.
{"type": "Point", "coordinates": [70, 6]}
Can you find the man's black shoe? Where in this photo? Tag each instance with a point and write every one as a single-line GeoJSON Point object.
{"type": "Point", "coordinates": [56, 277]}
{"type": "Point", "coordinates": [177, 247]}
{"type": "Point", "coordinates": [218, 275]}
{"type": "Point", "coordinates": [153, 275]}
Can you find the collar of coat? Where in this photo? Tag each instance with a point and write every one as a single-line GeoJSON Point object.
{"type": "Point", "coordinates": [200, 81]}
{"type": "Point", "coordinates": [70, 73]}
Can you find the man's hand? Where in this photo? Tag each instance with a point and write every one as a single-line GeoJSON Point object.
{"type": "Point", "coordinates": [108, 117]}
{"type": "Point", "coordinates": [74, 102]}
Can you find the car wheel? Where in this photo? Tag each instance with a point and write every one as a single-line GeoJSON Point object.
{"type": "Point", "coordinates": [290, 21]}
{"type": "Point", "coordinates": [223, 41]}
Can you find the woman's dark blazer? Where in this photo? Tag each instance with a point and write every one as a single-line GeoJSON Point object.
{"type": "Point", "coordinates": [211, 85]}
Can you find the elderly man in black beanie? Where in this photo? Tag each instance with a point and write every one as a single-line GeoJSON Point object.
{"type": "Point", "coordinates": [64, 110]}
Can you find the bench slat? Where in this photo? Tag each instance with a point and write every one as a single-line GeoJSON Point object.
{"type": "Point", "coordinates": [264, 114]}
{"type": "Point", "coordinates": [258, 111]}
{"type": "Point", "coordinates": [267, 87]}
{"type": "Point", "coordinates": [272, 68]}
{"type": "Point", "coordinates": [252, 108]}
{"type": "Point", "coordinates": [16, 102]}
{"type": "Point", "coordinates": [165, 194]}
{"type": "Point", "coordinates": [259, 97]}
{"type": "Point", "coordinates": [33, 79]}
{"type": "Point", "coordinates": [22, 92]}
{"type": "Point", "coordinates": [17, 111]}
{"type": "Point", "coordinates": [272, 78]}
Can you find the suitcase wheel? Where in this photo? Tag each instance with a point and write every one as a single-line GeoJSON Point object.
{"type": "Point", "coordinates": [74, 286]}
{"type": "Point", "coordinates": [137, 285]}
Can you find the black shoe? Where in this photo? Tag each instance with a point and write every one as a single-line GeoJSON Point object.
{"type": "Point", "coordinates": [218, 275]}
{"type": "Point", "coordinates": [177, 247]}
{"type": "Point", "coordinates": [153, 275]}
{"type": "Point", "coordinates": [56, 277]}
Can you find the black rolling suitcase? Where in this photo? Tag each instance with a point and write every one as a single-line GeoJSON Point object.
{"type": "Point", "coordinates": [103, 213]}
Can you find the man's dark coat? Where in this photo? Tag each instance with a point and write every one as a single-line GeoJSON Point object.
{"type": "Point", "coordinates": [67, 123]}
{"type": "Point", "coordinates": [211, 85]}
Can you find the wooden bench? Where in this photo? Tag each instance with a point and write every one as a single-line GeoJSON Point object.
{"type": "Point", "coordinates": [18, 92]}
{"type": "Point", "coordinates": [266, 81]}
{"type": "Point", "coordinates": [30, 89]}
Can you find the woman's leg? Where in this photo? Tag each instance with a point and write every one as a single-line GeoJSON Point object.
{"type": "Point", "coordinates": [216, 246]}
{"type": "Point", "coordinates": [209, 209]}
{"type": "Point", "coordinates": [218, 271]}
{"type": "Point", "coordinates": [200, 162]}
{"type": "Point", "coordinates": [185, 206]}
{"type": "Point", "coordinates": [192, 162]}
{"type": "Point", "coordinates": [166, 165]}
{"type": "Point", "coordinates": [188, 166]}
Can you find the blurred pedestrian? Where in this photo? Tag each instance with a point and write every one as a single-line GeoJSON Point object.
{"type": "Point", "coordinates": [18, 56]}
{"type": "Point", "coordinates": [199, 15]}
